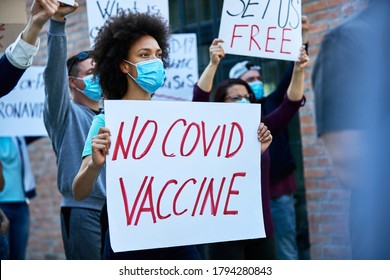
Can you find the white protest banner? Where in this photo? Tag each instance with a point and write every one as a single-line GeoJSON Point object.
{"type": "Point", "coordinates": [270, 29]}
{"type": "Point", "coordinates": [21, 111]}
{"type": "Point", "coordinates": [182, 72]}
{"type": "Point", "coordinates": [182, 173]}
{"type": "Point", "coordinates": [98, 11]}
{"type": "Point", "coordinates": [13, 18]}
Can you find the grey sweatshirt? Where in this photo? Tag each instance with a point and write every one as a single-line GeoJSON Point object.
{"type": "Point", "coordinates": [67, 122]}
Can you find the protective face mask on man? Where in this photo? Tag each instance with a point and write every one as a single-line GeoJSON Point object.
{"type": "Point", "coordinates": [258, 89]}
{"type": "Point", "coordinates": [151, 74]}
{"type": "Point", "coordinates": [92, 88]}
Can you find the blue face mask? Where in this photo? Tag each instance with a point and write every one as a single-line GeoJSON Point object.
{"type": "Point", "coordinates": [92, 88]}
{"type": "Point", "coordinates": [258, 89]}
{"type": "Point", "coordinates": [151, 74]}
{"type": "Point", "coordinates": [243, 101]}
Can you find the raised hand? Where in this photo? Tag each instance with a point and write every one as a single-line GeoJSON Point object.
{"type": "Point", "coordinates": [65, 10]}
{"type": "Point", "coordinates": [100, 146]}
{"type": "Point", "coordinates": [264, 136]}
{"type": "Point", "coordinates": [303, 60]}
{"type": "Point", "coordinates": [42, 10]}
{"type": "Point", "coordinates": [216, 51]}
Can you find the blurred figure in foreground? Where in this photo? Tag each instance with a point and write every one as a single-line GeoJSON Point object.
{"type": "Point", "coordinates": [351, 83]}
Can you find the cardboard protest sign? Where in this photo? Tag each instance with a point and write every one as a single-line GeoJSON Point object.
{"type": "Point", "coordinates": [182, 71]}
{"type": "Point", "coordinates": [13, 19]}
{"type": "Point", "coordinates": [182, 173]}
{"type": "Point", "coordinates": [21, 111]}
{"type": "Point", "coordinates": [270, 29]}
{"type": "Point", "coordinates": [98, 11]}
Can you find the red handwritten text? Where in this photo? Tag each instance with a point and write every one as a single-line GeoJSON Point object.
{"type": "Point", "coordinates": [221, 134]}
{"type": "Point", "coordinates": [148, 203]}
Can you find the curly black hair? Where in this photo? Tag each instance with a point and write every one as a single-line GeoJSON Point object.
{"type": "Point", "coordinates": [222, 88]}
{"type": "Point", "coordinates": [112, 44]}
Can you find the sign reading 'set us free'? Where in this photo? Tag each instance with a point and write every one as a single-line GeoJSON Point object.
{"type": "Point", "coordinates": [269, 28]}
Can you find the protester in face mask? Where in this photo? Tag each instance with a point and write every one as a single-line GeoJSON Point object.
{"type": "Point", "coordinates": [282, 179]}
{"type": "Point", "coordinates": [237, 90]}
{"type": "Point", "coordinates": [68, 116]}
{"type": "Point", "coordinates": [130, 52]}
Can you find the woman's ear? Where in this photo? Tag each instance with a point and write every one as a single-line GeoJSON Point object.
{"type": "Point", "coordinates": [124, 67]}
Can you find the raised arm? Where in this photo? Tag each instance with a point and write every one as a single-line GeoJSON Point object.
{"type": "Point", "coordinates": [276, 97]}
{"type": "Point", "coordinates": [57, 93]}
{"type": "Point", "coordinates": [216, 54]}
{"type": "Point", "coordinates": [206, 79]}
{"type": "Point", "coordinates": [19, 55]}
{"type": "Point", "coordinates": [296, 88]}
{"type": "Point", "coordinates": [41, 11]}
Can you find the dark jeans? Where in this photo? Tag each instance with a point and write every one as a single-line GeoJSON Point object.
{"type": "Point", "coordinates": [81, 233]}
{"type": "Point", "coordinates": [19, 221]}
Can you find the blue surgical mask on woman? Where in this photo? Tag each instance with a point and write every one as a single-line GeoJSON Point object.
{"type": "Point", "coordinates": [92, 88]}
{"type": "Point", "coordinates": [258, 89]}
{"type": "Point", "coordinates": [151, 74]}
{"type": "Point", "coordinates": [243, 101]}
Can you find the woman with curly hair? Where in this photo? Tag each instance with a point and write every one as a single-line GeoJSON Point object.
{"type": "Point", "coordinates": [130, 52]}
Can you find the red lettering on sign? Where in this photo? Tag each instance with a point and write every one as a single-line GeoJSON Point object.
{"type": "Point", "coordinates": [231, 154]}
{"type": "Point", "coordinates": [123, 146]}
{"type": "Point", "coordinates": [285, 40]}
{"type": "Point", "coordinates": [166, 137]}
{"type": "Point", "coordinates": [183, 140]}
{"type": "Point", "coordinates": [161, 217]}
{"type": "Point", "coordinates": [234, 33]}
{"type": "Point", "coordinates": [232, 192]}
{"type": "Point", "coordinates": [204, 196]}
{"type": "Point", "coordinates": [129, 216]}
{"type": "Point", "coordinates": [253, 37]}
{"type": "Point", "coordinates": [269, 38]}
{"type": "Point", "coordinates": [206, 148]}
{"type": "Point", "coordinates": [119, 140]}
{"type": "Point", "coordinates": [177, 197]}
{"type": "Point", "coordinates": [210, 193]}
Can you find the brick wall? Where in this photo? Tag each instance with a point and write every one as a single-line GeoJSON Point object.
{"type": "Point", "coordinates": [327, 202]}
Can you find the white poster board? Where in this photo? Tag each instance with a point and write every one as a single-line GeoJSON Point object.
{"type": "Point", "coordinates": [182, 173]}
{"type": "Point", "coordinates": [182, 72]}
{"type": "Point", "coordinates": [270, 28]}
{"type": "Point", "coordinates": [98, 11]}
{"type": "Point", "coordinates": [21, 111]}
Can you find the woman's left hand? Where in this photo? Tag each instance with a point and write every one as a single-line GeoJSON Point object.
{"type": "Point", "coordinates": [264, 136]}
